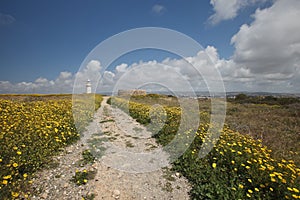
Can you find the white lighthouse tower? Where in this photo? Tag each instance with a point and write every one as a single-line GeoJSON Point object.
{"type": "Point", "coordinates": [88, 87]}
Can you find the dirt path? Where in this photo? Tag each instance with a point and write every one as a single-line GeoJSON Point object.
{"type": "Point", "coordinates": [129, 164]}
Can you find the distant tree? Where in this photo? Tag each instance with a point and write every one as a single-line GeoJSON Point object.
{"type": "Point", "coordinates": [241, 97]}
{"type": "Point", "coordinates": [270, 98]}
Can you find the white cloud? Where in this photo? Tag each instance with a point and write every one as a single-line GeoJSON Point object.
{"type": "Point", "coordinates": [228, 9]}
{"type": "Point", "coordinates": [266, 58]}
{"type": "Point", "coordinates": [269, 47]}
{"type": "Point", "coordinates": [170, 74]}
{"type": "Point", "coordinates": [92, 72]}
{"type": "Point", "coordinates": [191, 73]}
{"type": "Point", "coordinates": [62, 84]}
{"type": "Point", "coordinates": [41, 80]}
{"type": "Point", "coordinates": [64, 75]}
{"type": "Point", "coordinates": [6, 19]}
{"type": "Point", "coordinates": [122, 67]}
{"type": "Point", "coordinates": [158, 9]}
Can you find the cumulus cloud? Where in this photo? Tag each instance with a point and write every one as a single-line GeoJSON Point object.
{"type": "Point", "coordinates": [228, 9]}
{"type": "Point", "coordinates": [92, 72]}
{"type": "Point", "coordinates": [269, 48]}
{"type": "Point", "coordinates": [266, 58]}
{"type": "Point", "coordinates": [188, 74]}
{"type": "Point", "coordinates": [6, 19]}
{"type": "Point", "coordinates": [158, 9]}
{"type": "Point", "coordinates": [122, 67]}
{"type": "Point", "coordinates": [62, 84]}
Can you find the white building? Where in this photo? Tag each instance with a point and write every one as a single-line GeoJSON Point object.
{"type": "Point", "coordinates": [88, 87]}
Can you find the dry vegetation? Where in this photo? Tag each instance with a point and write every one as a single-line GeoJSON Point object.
{"type": "Point", "coordinates": [237, 167]}
{"type": "Point", "coordinates": [277, 124]}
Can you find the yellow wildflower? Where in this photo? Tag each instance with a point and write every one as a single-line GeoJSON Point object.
{"type": "Point", "coordinates": [7, 177]}
{"type": "Point", "coordinates": [214, 165]}
{"type": "Point", "coordinates": [14, 194]}
{"type": "Point", "coordinates": [296, 190]}
{"type": "Point", "coordinates": [273, 179]}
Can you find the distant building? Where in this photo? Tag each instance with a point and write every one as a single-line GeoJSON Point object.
{"type": "Point", "coordinates": [88, 87]}
{"type": "Point", "coordinates": [131, 92]}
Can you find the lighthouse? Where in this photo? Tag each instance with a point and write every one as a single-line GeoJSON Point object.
{"type": "Point", "coordinates": [88, 87]}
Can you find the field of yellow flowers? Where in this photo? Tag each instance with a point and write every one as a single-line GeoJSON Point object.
{"type": "Point", "coordinates": [32, 129]}
{"type": "Point", "coordinates": [238, 167]}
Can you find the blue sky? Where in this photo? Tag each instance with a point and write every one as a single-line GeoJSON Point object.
{"type": "Point", "coordinates": [48, 40]}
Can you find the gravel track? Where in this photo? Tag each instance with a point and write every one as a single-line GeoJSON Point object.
{"type": "Point", "coordinates": [129, 164]}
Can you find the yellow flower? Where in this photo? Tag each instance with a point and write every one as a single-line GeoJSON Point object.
{"type": "Point", "coordinates": [241, 186]}
{"type": "Point", "coordinates": [84, 171]}
{"type": "Point", "coordinates": [14, 194]}
{"type": "Point", "coordinates": [250, 181]}
{"type": "Point", "coordinates": [85, 181]}
{"type": "Point", "coordinates": [248, 195]}
{"type": "Point", "coordinates": [214, 165]}
{"type": "Point", "coordinates": [19, 152]}
{"type": "Point", "coordinates": [25, 175]}
{"type": "Point", "coordinates": [0, 160]}
{"type": "Point", "coordinates": [271, 189]}
{"type": "Point", "coordinates": [250, 191]}
{"type": "Point", "coordinates": [256, 189]}
{"type": "Point", "coordinates": [15, 165]}
{"type": "Point", "coordinates": [272, 175]}
{"type": "Point", "coordinates": [4, 182]}
{"type": "Point", "coordinates": [296, 190]}
{"type": "Point", "coordinates": [7, 177]}
{"type": "Point", "coordinates": [273, 179]}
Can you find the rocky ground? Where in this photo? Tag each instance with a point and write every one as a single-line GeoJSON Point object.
{"type": "Point", "coordinates": [129, 164]}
